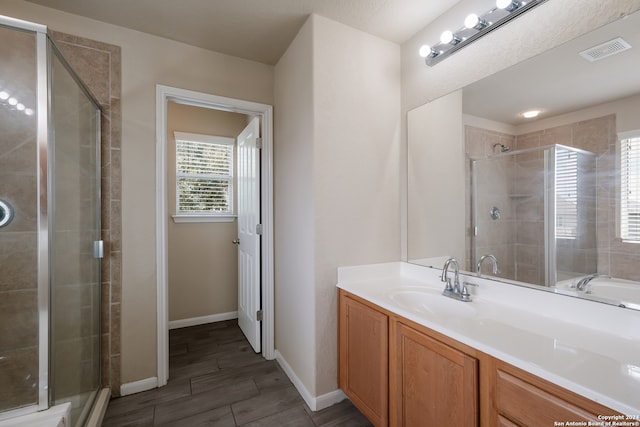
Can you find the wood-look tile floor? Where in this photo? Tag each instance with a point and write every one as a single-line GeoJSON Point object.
{"type": "Point", "coordinates": [217, 380]}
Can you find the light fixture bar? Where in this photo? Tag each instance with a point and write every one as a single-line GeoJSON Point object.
{"type": "Point", "coordinates": [513, 9]}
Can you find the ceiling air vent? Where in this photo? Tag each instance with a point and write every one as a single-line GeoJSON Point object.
{"type": "Point", "coordinates": [604, 50]}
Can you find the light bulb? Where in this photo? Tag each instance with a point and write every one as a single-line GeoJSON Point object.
{"type": "Point", "coordinates": [508, 5]}
{"type": "Point", "coordinates": [12, 101]}
{"type": "Point", "coordinates": [28, 112]}
{"type": "Point", "coordinates": [471, 21]}
{"type": "Point", "coordinates": [425, 50]}
{"type": "Point", "coordinates": [20, 107]}
{"type": "Point", "coordinates": [4, 95]}
{"type": "Point", "coordinates": [446, 37]}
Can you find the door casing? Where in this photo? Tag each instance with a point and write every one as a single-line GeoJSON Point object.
{"type": "Point", "coordinates": [164, 94]}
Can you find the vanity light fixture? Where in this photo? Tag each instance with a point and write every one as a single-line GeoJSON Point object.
{"type": "Point", "coordinates": [508, 5]}
{"type": "Point", "coordinates": [475, 26]}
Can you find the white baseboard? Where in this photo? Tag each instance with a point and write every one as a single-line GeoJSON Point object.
{"type": "Point", "coordinates": [329, 399]}
{"type": "Point", "coordinates": [138, 386]}
{"type": "Point", "coordinates": [314, 403]}
{"type": "Point", "coordinates": [202, 320]}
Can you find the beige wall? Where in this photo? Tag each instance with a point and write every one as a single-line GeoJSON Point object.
{"type": "Point", "coordinates": [338, 100]}
{"type": "Point", "coordinates": [146, 61]}
{"type": "Point", "coordinates": [294, 206]}
{"type": "Point", "coordinates": [203, 263]}
{"type": "Point", "coordinates": [357, 139]}
{"type": "Point", "coordinates": [436, 222]}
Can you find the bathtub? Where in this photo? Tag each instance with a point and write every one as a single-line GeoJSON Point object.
{"type": "Point", "coordinates": [56, 416]}
{"type": "Point", "coordinates": [60, 415]}
{"type": "Point", "coordinates": [619, 290]}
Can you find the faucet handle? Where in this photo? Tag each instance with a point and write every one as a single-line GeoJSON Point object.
{"type": "Point", "coordinates": [464, 293]}
{"type": "Point", "coordinates": [448, 286]}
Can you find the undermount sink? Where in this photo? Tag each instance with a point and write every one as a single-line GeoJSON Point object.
{"type": "Point", "coordinates": [431, 301]}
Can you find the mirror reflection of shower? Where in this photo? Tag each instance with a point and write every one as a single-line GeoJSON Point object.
{"type": "Point", "coordinates": [547, 197]}
{"type": "Point", "coordinates": [500, 148]}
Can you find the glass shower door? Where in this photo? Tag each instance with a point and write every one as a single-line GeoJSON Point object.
{"type": "Point", "coordinates": [508, 213]}
{"type": "Point", "coordinates": [75, 223]}
{"type": "Point", "coordinates": [19, 326]}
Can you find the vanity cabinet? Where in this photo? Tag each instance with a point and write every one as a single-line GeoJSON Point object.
{"type": "Point", "coordinates": [522, 399]}
{"type": "Point", "coordinates": [432, 383]}
{"type": "Point", "coordinates": [364, 357]}
{"type": "Point", "coordinates": [400, 373]}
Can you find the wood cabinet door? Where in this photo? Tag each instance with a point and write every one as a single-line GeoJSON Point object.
{"type": "Point", "coordinates": [527, 400]}
{"type": "Point", "coordinates": [432, 384]}
{"type": "Point", "coordinates": [364, 358]}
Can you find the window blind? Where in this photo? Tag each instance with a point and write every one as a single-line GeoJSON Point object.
{"type": "Point", "coordinates": [204, 177]}
{"type": "Point", "coordinates": [566, 187]}
{"type": "Point", "coordinates": [630, 189]}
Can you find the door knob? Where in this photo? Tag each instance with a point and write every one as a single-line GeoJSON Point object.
{"type": "Point", "coordinates": [236, 241]}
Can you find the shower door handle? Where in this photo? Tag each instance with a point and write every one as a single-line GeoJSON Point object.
{"type": "Point", "coordinates": [98, 249]}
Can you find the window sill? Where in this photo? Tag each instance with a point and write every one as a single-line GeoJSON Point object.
{"type": "Point", "coordinates": [178, 219]}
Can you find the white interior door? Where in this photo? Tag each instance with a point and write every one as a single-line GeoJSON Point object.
{"type": "Point", "coordinates": [248, 191]}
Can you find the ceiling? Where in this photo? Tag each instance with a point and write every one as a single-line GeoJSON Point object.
{"type": "Point", "coordinates": [556, 82]}
{"type": "Point", "coordinates": [259, 30]}
{"type": "Point", "coordinates": [560, 80]}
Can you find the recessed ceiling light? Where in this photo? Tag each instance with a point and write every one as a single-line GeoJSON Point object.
{"type": "Point", "coordinates": [531, 114]}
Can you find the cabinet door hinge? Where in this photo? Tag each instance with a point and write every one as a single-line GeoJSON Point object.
{"type": "Point", "coordinates": [259, 229]}
{"type": "Point", "coordinates": [259, 315]}
{"type": "Point", "coordinates": [259, 143]}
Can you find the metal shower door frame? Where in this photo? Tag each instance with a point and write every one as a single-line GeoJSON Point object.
{"type": "Point", "coordinates": [44, 135]}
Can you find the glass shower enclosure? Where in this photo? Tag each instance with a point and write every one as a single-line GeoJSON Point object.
{"type": "Point", "coordinates": [50, 245]}
{"type": "Point", "coordinates": [535, 211]}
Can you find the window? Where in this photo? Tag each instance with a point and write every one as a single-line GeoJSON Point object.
{"type": "Point", "coordinates": [204, 175]}
{"type": "Point", "coordinates": [566, 193]}
{"type": "Point", "coordinates": [630, 187]}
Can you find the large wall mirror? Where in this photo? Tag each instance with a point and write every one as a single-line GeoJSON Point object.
{"type": "Point", "coordinates": [554, 200]}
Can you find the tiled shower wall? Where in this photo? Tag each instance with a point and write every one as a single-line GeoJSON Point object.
{"type": "Point", "coordinates": [616, 258]}
{"type": "Point", "coordinates": [98, 65]}
{"type": "Point", "coordinates": [598, 136]}
{"type": "Point", "coordinates": [499, 238]}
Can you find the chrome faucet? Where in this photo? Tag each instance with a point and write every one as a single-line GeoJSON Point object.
{"type": "Point", "coordinates": [494, 261]}
{"type": "Point", "coordinates": [445, 269]}
{"type": "Point", "coordinates": [582, 283]}
{"type": "Point", "coordinates": [454, 291]}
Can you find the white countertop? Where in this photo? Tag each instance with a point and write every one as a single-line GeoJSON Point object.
{"type": "Point", "coordinates": [590, 348]}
